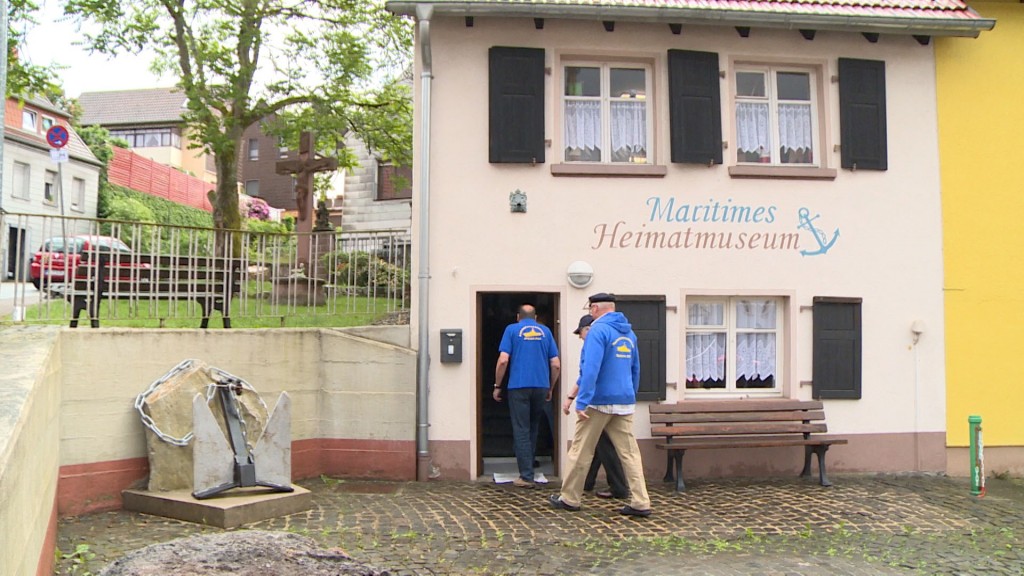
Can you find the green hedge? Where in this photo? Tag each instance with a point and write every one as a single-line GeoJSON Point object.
{"type": "Point", "coordinates": [119, 203]}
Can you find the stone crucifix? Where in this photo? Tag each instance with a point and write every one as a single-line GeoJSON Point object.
{"type": "Point", "coordinates": [303, 167]}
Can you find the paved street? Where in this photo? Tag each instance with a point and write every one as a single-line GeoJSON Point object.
{"type": "Point", "coordinates": [862, 525]}
{"type": "Point", "coordinates": [11, 293]}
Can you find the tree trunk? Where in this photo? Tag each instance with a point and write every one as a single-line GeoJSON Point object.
{"type": "Point", "coordinates": [226, 216]}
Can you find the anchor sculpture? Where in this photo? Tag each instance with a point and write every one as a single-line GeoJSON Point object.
{"type": "Point", "coordinates": [220, 463]}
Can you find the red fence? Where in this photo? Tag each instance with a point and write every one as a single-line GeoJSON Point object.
{"type": "Point", "coordinates": [130, 170]}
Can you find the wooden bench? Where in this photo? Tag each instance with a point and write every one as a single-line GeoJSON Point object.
{"type": "Point", "coordinates": [208, 281]}
{"type": "Point", "coordinates": [705, 424]}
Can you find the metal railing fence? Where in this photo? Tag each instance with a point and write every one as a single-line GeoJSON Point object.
{"type": "Point", "coordinates": [286, 279]}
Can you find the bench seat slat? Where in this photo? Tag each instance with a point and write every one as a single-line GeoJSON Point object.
{"type": "Point", "coordinates": [724, 429]}
{"type": "Point", "coordinates": [784, 415]}
{"type": "Point", "coordinates": [695, 444]}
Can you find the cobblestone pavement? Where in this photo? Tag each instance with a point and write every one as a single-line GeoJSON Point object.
{"type": "Point", "coordinates": [862, 525]}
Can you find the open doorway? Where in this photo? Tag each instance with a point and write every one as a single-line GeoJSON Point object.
{"type": "Point", "coordinates": [495, 311]}
{"type": "Point", "coordinates": [16, 268]}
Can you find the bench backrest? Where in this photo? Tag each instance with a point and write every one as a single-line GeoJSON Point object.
{"type": "Point", "coordinates": [157, 274]}
{"type": "Point", "coordinates": [692, 418]}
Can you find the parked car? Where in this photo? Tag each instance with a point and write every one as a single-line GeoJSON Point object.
{"type": "Point", "coordinates": [58, 257]}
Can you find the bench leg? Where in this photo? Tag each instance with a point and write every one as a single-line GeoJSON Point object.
{"type": "Point", "coordinates": [78, 305]}
{"type": "Point", "coordinates": [669, 460]}
{"type": "Point", "coordinates": [807, 461]}
{"type": "Point", "coordinates": [820, 451]}
{"type": "Point", "coordinates": [680, 486]}
{"type": "Point", "coordinates": [204, 307]}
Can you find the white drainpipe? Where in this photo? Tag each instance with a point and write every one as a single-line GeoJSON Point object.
{"type": "Point", "coordinates": [424, 469]}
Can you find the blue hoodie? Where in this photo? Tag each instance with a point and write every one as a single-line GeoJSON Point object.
{"type": "Point", "coordinates": [610, 364]}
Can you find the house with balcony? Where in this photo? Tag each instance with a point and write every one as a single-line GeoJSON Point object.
{"type": "Point", "coordinates": [151, 121]}
{"type": "Point", "coordinates": [759, 183]}
{"type": "Point", "coordinates": [37, 183]}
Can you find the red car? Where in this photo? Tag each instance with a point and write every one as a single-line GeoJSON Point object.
{"type": "Point", "coordinates": [59, 256]}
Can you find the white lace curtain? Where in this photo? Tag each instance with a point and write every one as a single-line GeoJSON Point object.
{"type": "Point", "coordinates": [583, 124]}
{"type": "Point", "coordinates": [629, 128]}
{"type": "Point", "coordinates": [753, 127]}
{"type": "Point", "coordinates": [795, 126]}
{"type": "Point", "coordinates": [756, 354]}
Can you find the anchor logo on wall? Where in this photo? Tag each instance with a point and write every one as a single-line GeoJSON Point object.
{"type": "Point", "coordinates": [824, 243]}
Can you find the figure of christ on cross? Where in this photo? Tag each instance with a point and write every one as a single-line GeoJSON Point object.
{"type": "Point", "coordinates": [303, 167]}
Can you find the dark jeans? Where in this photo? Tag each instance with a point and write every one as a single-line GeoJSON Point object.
{"type": "Point", "coordinates": [605, 455]}
{"type": "Point", "coordinates": [526, 407]}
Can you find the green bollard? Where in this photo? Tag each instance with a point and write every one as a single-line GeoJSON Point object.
{"type": "Point", "coordinates": [977, 457]}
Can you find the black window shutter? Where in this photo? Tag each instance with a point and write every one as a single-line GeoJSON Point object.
{"type": "Point", "coordinates": [695, 107]}
{"type": "Point", "coordinates": [863, 141]}
{"type": "Point", "coordinates": [837, 348]}
{"type": "Point", "coordinates": [647, 316]}
{"type": "Point", "coordinates": [516, 105]}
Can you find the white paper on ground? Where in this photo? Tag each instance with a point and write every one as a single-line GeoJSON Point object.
{"type": "Point", "coordinates": [506, 477]}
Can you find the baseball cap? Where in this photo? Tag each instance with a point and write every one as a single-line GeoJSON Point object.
{"type": "Point", "coordinates": [585, 321]}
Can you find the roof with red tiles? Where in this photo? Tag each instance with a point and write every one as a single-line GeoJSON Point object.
{"type": "Point", "coordinates": [924, 17]}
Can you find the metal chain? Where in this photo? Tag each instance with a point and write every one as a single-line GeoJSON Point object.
{"type": "Point", "coordinates": [222, 379]}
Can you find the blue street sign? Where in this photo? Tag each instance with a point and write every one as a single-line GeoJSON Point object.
{"type": "Point", "coordinates": [57, 136]}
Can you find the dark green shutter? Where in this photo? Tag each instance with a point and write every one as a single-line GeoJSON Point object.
{"type": "Point", "coordinates": [837, 348]}
{"type": "Point", "coordinates": [647, 316]}
{"type": "Point", "coordinates": [695, 107]}
{"type": "Point", "coordinates": [516, 105]}
{"type": "Point", "coordinates": [863, 140]}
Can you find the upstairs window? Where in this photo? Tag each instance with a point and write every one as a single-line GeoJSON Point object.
{"type": "Point", "coordinates": [776, 116]}
{"type": "Point", "coordinates": [78, 194]}
{"type": "Point", "coordinates": [22, 175]}
{"type": "Point", "coordinates": [28, 120]}
{"type": "Point", "coordinates": [393, 182]}
{"type": "Point", "coordinates": [50, 187]}
{"type": "Point", "coordinates": [605, 113]}
{"type": "Point", "coordinates": [47, 123]}
{"type": "Point", "coordinates": [254, 149]}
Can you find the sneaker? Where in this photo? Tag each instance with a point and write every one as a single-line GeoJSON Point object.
{"type": "Point", "coordinates": [520, 483]}
{"type": "Point", "coordinates": [603, 494]}
{"type": "Point", "coordinates": [556, 502]}
{"type": "Point", "coordinates": [628, 510]}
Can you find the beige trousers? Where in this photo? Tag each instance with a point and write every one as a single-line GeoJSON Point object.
{"type": "Point", "coordinates": [588, 432]}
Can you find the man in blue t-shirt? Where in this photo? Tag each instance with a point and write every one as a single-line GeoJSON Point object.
{"type": "Point", "coordinates": [529, 350]}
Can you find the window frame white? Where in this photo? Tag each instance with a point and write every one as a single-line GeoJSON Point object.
{"type": "Point", "coordinates": [21, 171]}
{"type": "Point", "coordinates": [729, 328]}
{"type": "Point", "coordinates": [78, 194]}
{"type": "Point", "coordinates": [605, 65]}
{"type": "Point", "coordinates": [50, 187]}
{"type": "Point", "coordinates": [816, 75]}
{"type": "Point", "coordinates": [29, 119]}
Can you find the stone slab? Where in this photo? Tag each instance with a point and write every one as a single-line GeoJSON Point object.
{"type": "Point", "coordinates": [229, 510]}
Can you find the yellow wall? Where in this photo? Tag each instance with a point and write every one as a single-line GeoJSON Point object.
{"type": "Point", "coordinates": [981, 124]}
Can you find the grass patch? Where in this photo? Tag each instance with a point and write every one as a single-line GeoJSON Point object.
{"type": "Point", "coordinates": [245, 313]}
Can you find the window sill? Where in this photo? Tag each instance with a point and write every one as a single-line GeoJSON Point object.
{"type": "Point", "coordinates": [610, 170]}
{"type": "Point", "coordinates": [782, 172]}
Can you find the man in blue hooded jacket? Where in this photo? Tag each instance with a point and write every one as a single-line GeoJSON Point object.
{"type": "Point", "coordinates": [606, 402]}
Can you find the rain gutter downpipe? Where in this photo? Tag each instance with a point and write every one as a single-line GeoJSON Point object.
{"type": "Point", "coordinates": [424, 469]}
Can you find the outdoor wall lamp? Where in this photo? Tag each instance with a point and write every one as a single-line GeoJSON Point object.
{"type": "Point", "coordinates": [517, 201]}
{"type": "Point", "coordinates": [580, 274]}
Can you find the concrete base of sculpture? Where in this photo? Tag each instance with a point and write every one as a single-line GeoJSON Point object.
{"type": "Point", "coordinates": [231, 509]}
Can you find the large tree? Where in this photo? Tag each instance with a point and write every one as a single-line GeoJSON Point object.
{"type": "Point", "coordinates": [25, 78]}
{"type": "Point", "coordinates": [330, 65]}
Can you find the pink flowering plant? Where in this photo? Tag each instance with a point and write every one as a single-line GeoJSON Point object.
{"type": "Point", "coordinates": [258, 209]}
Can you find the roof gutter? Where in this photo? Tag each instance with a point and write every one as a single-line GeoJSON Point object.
{"type": "Point", "coordinates": [966, 27]}
{"type": "Point", "coordinates": [424, 469]}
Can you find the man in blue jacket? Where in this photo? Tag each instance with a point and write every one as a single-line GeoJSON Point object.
{"type": "Point", "coordinates": [529, 349]}
{"type": "Point", "coordinates": [606, 402]}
